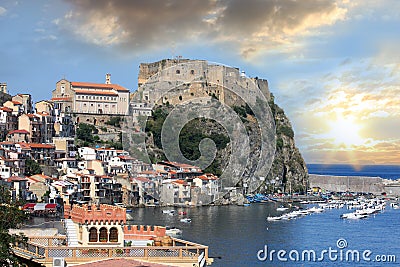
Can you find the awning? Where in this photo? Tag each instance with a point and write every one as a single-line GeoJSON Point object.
{"type": "Point", "coordinates": [51, 206]}
{"type": "Point", "coordinates": [28, 206]}
{"type": "Point", "coordinates": [40, 206]}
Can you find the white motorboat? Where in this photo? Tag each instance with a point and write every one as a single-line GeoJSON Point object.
{"type": "Point", "coordinates": [170, 212]}
{"type": "Point", "coordinates": [172, 231]}
{"type": "Point", "coordinates": [282, 208]}
{"type": "Point", "coordinates": [274, 218]}
{"type": "Point", "coordinates": [186, 220]}
{"type": "Point", "coordinates": [353, 216]}
{"type": "Point", "coordinates": [315, 210]}
{"type": "Point", "coordinates": [395, 206]}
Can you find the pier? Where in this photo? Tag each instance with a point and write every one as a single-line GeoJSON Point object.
{"type": "Point", "coordinates": [364, 184]}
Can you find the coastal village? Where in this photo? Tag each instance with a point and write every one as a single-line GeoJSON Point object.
{"type": "Point", "coordinates": [49, 161]}
{"type": "Point", "coordinates": [64, 157]}
{"type": "Point", "coordinates": [43, 135]}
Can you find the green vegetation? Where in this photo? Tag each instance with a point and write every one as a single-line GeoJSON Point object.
{"type": "Point", "coordinates": [11, 217]}
{"type": "Point", "coordinates": [32, 167]}
{"type": "Point", "coordinates": [285, 130]}
{"type": "Point", "coordinates": [189, 139]}
{"type": "Point", "coordinates": [86, 135]}
{"type": "Point", "coordinates": [115, 121]}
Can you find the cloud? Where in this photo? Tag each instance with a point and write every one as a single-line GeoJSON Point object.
{"type": "Point", "coordinates": [252, 26]}
{"type": "Point", "coordinates": [3, 11]}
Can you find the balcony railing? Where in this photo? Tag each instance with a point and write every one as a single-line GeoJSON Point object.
{"type": "Point", "coordinates": [42, 249]}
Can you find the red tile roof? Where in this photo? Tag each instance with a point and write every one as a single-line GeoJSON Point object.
{"type": "Point", "coordinates": [99, 85]}
{"type": "Point", "coordinates": [36, 145]}
{"type": "Point", "coordinates": [24, 146]}
{"type": "Point", "coordinates": [61, 99]}
{"type": "Point", "coordinates": [18, 132]}
{"type": "Point", "coordinates": [182, 182]}
{"type": "Point", "coordinates": [6, 109]}
{"type": "Point", "coordinates": [16, 179]}
{"type": "Point", "coordinates": [142, 179]}
{"type": "Point", "coordinates": [30, 115]}
{"type": "Point", "coordinates": [16, 102]}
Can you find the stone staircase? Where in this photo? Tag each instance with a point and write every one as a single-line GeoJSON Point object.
{"type": "Point", "coordinates": [72, 235]}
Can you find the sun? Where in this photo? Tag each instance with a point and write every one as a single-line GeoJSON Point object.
{"type": "Point", "coordinates": [345, 132]}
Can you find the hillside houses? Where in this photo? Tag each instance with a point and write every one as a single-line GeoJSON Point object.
{"type": "Point", "coordinates": [43, 135]}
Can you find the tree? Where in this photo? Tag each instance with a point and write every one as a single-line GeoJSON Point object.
{"type": "Point", "coordinates": [32, 167]}
{"type": "Point", "coordinates": [85, 132]}
{"type": "Point", "coordinates": [11, 217]}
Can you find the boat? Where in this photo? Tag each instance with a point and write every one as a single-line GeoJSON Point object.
{"type": "Point", "coordinates": [315, 210]}
{"type": "Point", "coordinates": [170, 212]}
{"type": "Point", "coordinates": [274, 218]}
{"type": "Point", "coordinates": [186, 220]}
{"type": "Point", "coordinates": [353, 216]}
{"type": "Point", "coordinates": [182, 213]}
{"type": "Point", "coordinates": [282, 208]}
{"type": "Point", "coordinates": [172, 231]}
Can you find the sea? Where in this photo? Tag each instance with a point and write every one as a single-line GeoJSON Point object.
{"type": "Point", "coordinates": [391, 172]}
{"type": "Point", "coordinates": [241, 236]}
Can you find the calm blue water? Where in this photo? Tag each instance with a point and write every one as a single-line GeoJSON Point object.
{"type": "Point", "coordinates": [383, 171]}
{"type": "Point", "coordinates": [236, 233]}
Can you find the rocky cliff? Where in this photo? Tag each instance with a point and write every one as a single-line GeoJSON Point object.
{"type": "Point", "coordinates": [200, 101]}
{"type": "Point", "coordinates": [288, 172]}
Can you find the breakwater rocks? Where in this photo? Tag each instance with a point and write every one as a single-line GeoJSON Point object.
{"type": "Point", "coordinates": [374, 185]}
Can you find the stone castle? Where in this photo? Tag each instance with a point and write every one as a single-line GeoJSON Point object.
{"type": "Point", "coordinates": [186, 79]}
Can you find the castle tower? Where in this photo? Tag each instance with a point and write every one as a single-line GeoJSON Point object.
{"type": "Point", "coordinates": [108, 78]}
{"type": "Point", "coordinates": [3, 87]}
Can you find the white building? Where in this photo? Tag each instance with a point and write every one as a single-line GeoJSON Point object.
{"type": "Point", "coordinates": [87, 153]}
{"type": "Point", "coordinates": [91, 98]}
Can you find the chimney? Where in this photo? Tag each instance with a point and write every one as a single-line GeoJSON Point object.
{"type": "Point", "coordinates": [108, 78]}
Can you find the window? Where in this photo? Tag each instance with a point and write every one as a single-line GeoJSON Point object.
{"type": "Point", "coordinates": [103, 235]}
{"type": "Point", "coordinates": [93, 234]}
{"type": "Point", "coordinates": [113, 235]}
{"type": "Point", "coordinates": [192, 72]}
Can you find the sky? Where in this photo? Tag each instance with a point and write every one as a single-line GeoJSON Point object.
{"type": "Point", "coordinates": [332, 65]}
